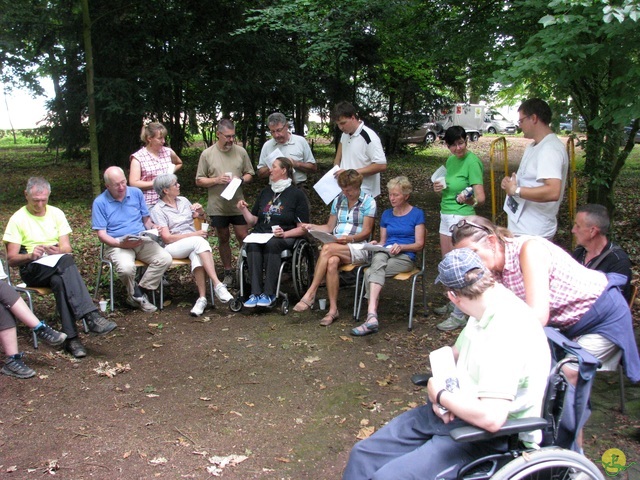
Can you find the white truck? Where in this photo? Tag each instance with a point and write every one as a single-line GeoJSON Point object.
{"type": "Point", "coordinates": [468, 116]}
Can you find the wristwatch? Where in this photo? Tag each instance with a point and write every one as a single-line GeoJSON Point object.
{"type": "Point", "coordinates": [516, 193]}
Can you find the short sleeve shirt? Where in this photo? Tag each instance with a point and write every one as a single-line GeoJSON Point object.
{"type": "Point", "coordinates": [351, 221]}
{"type": "Point", "coordinates": [178, 220]}
{"type": "Point", "coordinates": [461, 173]}
{"type": "Point", "coordinates": [546, 160]}
{"type": "Point", "coordinates": [362, 149]}
{"type": "Point", "coordinates": [215, 163]}
{"type": "Point", "coordinates": [402, 230]}
{"type": "Point", "coordinates": [296, 148]}
{"type": "Point", "coordinates": [509, 330]}
{"type": "Point", "coordinates": [29, 230]}
{"type": "Point", "coordinates": [119, 218]}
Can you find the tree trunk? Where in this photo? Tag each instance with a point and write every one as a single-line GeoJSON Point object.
{"type": "Point", "coordinates": [93, 135]}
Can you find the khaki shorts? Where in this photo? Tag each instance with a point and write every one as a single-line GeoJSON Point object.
{"type": "Point", "coordinates": [358, 255]}
{"type": "Point", "coordinates": [602, 348]}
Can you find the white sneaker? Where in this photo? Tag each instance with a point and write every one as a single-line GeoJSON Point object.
{"type": "Point", "coordinates": [199, 307]}
{"type": "Point", "coordinates": [142, 303]}
{"type": "Point", "coordinates": [222, 293]}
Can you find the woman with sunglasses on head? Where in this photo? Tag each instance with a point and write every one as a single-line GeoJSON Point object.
{"type": "Point", "coordinates": [581, 302]}
{"type": "Point", "coordinates": [463, 191]}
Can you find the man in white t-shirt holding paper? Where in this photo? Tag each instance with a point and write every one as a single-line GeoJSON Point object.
{"type": "Point", "coordinates": [360, 148]}
{"type": "Point", "coordinates": [535, 192]}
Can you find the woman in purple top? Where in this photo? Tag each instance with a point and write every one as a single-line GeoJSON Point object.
{"type": "Point", "coordinates": [402, 232]}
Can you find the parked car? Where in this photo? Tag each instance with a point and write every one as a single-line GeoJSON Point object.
{"type": "Point", "coordinates": [566, 125]}
{"type": "Point", "coordinates": [418, 128]}
{"type": "Point", "coordinates": [494, 122]}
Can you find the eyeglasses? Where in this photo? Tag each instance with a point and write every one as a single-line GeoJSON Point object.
{"type": "Point", "coordinates": [523, 119]}
{"type": "Point", "coordinates": [228, 137]}
{"type": "Point", "coordinates": [278, 130]}
{"type": "Point", "coordinates": [464, 222]}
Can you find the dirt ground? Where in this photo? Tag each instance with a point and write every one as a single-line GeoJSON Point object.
{"type": "Point", "coordinates": [163, 394]}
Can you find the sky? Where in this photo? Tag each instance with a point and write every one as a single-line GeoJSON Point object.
{"type": "Point", "coordinates": [23, 110]}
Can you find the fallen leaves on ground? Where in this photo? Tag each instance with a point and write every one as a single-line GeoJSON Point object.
{"type": "Point", "coordinates": [108, 371]}
{"type": "Point", "coordinates": [365, 432]}
{"type": "Point", "coordinates": [219, 463]}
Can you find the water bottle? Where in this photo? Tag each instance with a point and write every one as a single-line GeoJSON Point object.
{"type": "Point", "coordinates": [467, 192]}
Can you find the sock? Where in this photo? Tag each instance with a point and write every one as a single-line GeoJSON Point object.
{"type": "Point", "coordinates": [137, 292]}
{"type": "Point", "coordinates": [38, 327]}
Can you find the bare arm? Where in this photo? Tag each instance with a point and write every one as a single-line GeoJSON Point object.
{"type": "Point", "coordinates": [176, 160]}
{"type": "Point", "coordinates": [535, 264]}
{"type": "Point", "coordinates": [135, 174]}
{"type": "Point", "coordinates": [338, 159]}
{"type": "Point", "coordinates": [487, 413]}
{"type": "Point", "coordinates": [548, 192]}
{"type": "Point", "coordinates": [248, 216]}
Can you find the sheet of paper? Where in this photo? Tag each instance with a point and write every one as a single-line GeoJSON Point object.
{"type": "Point", "coordinates": [513, 207]}
{"type": "Point", "coordinates": [50, 260]}
{"type": "Point", "coordinates": [258, 237]}
{"type": "Point", "coordinates": [230, 191]}
{"type": "Point", "coordinates": [272, 156]}
{"type": "Point", "coordinates": [327, 187]}
{"type": "Point", "coordinates": [443, 364]}
{"type": "Point", "coordinates": [375, 248]}
{"type": "Point", "coordinates": [171, 168]}
{"type": "Point", "coordinates": [438, 176]}
{"type": "Point", "coordinates": [324, 237]}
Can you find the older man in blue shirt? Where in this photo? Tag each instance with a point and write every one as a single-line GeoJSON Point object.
{"type": "Point", "coordinates": [120, 212]}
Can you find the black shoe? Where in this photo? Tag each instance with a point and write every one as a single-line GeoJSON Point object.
{"type": "Point", "coordinates": [15, 367]}
{"type": "Point", "coordinates": [75, 348]}
{"type": "Point", "coordinates": [98, 324]}
{"type": "Point", "coordinates": [50, 336]}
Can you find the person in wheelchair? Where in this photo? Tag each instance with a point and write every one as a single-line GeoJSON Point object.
{"type": "Point", "coordinates": [502, 364]}
{"type": "Point", "coordinates": [281, 209]}
{"type": "Point", "coordinates": [174, 216]}
{"type": "Point", "coordinates": [402, 232]}
{"type": "Point", "coordinates": [351, 221]}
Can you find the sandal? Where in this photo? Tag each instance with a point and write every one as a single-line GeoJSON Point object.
{"type": "Point", "coordinates": [369, 326]}
{"type": "Point", "coordinates": [329, 318]}
{"type": "Point", "coordinates": [303, 305]}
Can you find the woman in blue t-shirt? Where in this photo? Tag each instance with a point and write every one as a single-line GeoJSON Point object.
{"type": "Point", "coordinates": [402, 232]}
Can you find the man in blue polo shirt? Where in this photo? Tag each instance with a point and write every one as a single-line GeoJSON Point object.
{"type": "Point", "coordinates": [119, 212]}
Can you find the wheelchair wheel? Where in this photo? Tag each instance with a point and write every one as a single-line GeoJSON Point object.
{"type": "Point", "coordinates": [284, 307]}
{"type": "Point", "coordinates": [235, 305]}
{"type": "Point", "coordinates": [549, 464]}
{"type": "Point", "coordinates": [303, 265]}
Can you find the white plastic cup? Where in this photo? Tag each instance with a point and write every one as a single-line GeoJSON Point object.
{"type": "Point", "coordinates": [274, 228]}
{"type": "Point", "coordinates": [229, 174]}
{"type": "Point", "coordinates": [103, 305]}
{"type": "Point", "coordinates": [322, 303]}
{"type": "Point", "coordinates": [205, 226]}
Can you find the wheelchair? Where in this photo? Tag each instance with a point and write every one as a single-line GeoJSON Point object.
{"type": "Point", "coordinates": [554, 460]}
{"type": "Point", "coordinates": [299, 261]}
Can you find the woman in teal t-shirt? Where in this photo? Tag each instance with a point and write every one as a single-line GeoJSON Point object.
{"type": "Point", "coordinates": [464, 169]}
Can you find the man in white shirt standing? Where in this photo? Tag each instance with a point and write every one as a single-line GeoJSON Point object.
{"type": "Point", "coordinates": [536, 190]}
{"type": "Point", "coordinates": [293, 147]}
{"type": "Point", "coordinates": [360, 148]}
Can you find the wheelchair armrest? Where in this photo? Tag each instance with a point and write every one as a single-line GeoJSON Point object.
{"type": "Point", "coordinates": [511, 427]}
{"type": "Point", "coordinates": [420, 379]}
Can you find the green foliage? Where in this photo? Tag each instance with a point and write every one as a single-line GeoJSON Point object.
{"type": "Point", "coordinates": [574, 49]}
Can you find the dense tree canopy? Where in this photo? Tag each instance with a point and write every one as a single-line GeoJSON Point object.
{"type": "Point", "coordinates": [187, 63]}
